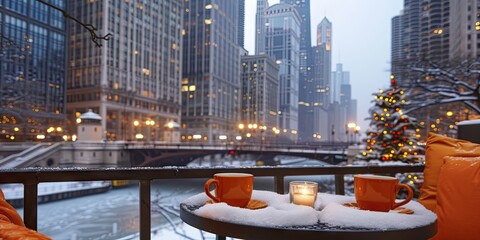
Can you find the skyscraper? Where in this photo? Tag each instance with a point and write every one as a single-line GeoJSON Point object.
{"type": "Point", "coordinates": [262, 5]}
{"type": "Point", "coordinates": [211, 69]}
{"type": "Point", "coordinates": [464, 25]}
{"type": "Point", "coordinates": [426, 31]}
{"type": "Point", "coordinates": [435, 31]}
{"type": "Point", "coordinates": [397, 47]}
{"type": "Point", "coordinates": [260, 89]}
{"type": "Point", "coordinates": [307, 87]}
{"type": "Point", "coordinates": [341, 112]}
{"type": "Point", "coordinates": [323, 61]}
{"type": "Point", "coordinates": [133, 81]}
{"type": "Point", "coordinates": [33, 71]}
{"type": "Point", "coordinates": [282, 34]}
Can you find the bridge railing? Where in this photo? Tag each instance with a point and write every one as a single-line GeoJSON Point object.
{"type": "Point", "coordinates": [31, 177]}
{"type": "Point", "coordinates": [201, 145]}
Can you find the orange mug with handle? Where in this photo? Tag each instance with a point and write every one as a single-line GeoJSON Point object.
{"type": "Point", "coordinates": [378, 193]}
{"type": "Point", "coordinates": [234, 189]}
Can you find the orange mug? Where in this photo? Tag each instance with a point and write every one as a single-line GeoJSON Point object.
{"type": "Point", "coordinates": [234, 189]}
{"type": "Point", "coordinates": [378, 193]}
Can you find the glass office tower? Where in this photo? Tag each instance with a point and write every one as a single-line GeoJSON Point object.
{"type": "Point", "coordinates": [282, 43]}
{"type": "Point", "coordinates": [211, 70]}
{"type": "Point", "coordinates": [32, 73]}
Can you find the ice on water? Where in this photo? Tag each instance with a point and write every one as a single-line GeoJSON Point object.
{"type": "Point", "coordinates": [328, 209]}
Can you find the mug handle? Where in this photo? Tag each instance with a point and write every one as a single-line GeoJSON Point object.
{"type": "Point", "coordinates": [207, 189]}
{"type": "Point", "coordinates": [409, 197]}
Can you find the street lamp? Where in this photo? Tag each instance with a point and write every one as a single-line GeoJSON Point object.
{"type": "Point", "coordinates": [170, 126]}
{"type": "Point", "coordinates": [149, 124]}
{"type": "Point", "coordinates": [351, 126]}
{"type": "Point", "coordinates": [357, 131]}
{"type": "Point", "coordinates": [139, 136]}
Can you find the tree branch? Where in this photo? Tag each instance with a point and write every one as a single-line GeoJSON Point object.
{"type": "Point", "coordinates": [89, 27]}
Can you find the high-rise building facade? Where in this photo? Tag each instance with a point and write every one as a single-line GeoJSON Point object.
{"type": "Point", "coordinates": [397, 47]}
{"type": "Point", "coordinates": [435, 31]}
{"type": "Point", "coordinates": [411, 29]}
{"type": "Point", "coordinates": [211, 69]}
{"type": "Point", "coordinates": [307, 87]}
{"type": "Point", "coordinates": [133, 82]}
{"type": "Point", "coordinates": [426, 32]}
{"type": "Point", "coordinates": [262, 5]}
{"type": "Point", "coordinates": [321, 97]}
{"type": "Point", "coordinates": [323, 61]}
{"type": "Point", "coordinates": [260, 89]}
{"type": "Point", "coordinates": [282, 43]}
{"type": "Point", "coordinates": [341, 110]}
{"type": "Point", "coordinates": [464, 26]}
{"type": "Point", "coordinates": [33, 71]}
{"type": "Point", "coordinates": [339, 78]}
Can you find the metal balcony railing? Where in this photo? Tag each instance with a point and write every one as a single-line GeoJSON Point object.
{"type": "Point", "coordinates": [31, 177]}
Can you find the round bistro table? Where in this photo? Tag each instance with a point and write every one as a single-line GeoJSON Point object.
{"type": "Point", "coordinates": [317, 232]}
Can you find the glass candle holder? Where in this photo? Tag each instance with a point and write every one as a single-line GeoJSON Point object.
{"type": "Point", "coordinates": [303, 192]}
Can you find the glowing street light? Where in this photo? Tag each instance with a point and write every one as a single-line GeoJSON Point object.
{"type": "Point", "coordinates": [222, 137]}
{"type": "Point", "coordinates": [351, 125]}
{"type": "Point", "coordinates": [139, 136]}
{"type": "Point", "coordinates": [150, 122]}
{"type": "Point", "coordinates": [136, 123]}
{"type": "Point", "coordinates": [197, 136]}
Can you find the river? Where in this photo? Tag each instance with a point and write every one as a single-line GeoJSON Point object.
{"type": "Point", "coordinates": [115, 214]}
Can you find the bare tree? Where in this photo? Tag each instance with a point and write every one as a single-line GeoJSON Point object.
{"type": "Point", "coordinates": [97, 39]}
{"type": "Point", "coordinates": [436, 85]}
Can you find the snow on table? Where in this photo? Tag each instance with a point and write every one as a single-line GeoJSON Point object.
{"type": "Point", "coordinates": [328, 210]}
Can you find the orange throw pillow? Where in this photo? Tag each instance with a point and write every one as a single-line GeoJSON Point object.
{"type": "Point", "coordinates": [10, 231]}
{"type": "Point", "coordinates": [458, 199]}
{"type": "Point", "coordinates": [438, 147]}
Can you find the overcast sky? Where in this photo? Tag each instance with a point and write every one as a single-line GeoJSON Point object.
{"type": "Point", "coordinates": [361, 42]}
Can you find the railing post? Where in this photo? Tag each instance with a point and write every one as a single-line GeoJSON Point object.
{"type": "Point", "coordinates": [339, 184]}
{"type": "Point", "coordinates": [145, 207]}
{"type": "Point", "coordinates": [30, 205]}
{"type": "Point", "coordinates": [279, 184]}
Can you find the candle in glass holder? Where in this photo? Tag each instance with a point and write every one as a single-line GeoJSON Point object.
{"type": "Point", "coordinates": [303, 192]}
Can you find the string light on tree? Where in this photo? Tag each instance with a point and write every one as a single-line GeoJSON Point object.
{"type": "Point", "coordinates": [392, 134]}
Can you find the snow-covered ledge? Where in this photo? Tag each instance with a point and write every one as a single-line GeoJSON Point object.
{"type": "Point", "coordinates": [469, 130]}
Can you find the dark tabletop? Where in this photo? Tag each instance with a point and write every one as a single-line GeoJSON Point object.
{"type": "Point", "coordinates": [317, 231]}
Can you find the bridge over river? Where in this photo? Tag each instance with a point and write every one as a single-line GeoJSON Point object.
{"type": "Point", "coordinates": [142, 154]}
{"type": "Point", "coordinates": [156, 155]}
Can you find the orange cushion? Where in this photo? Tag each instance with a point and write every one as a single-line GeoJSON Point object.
{"type": "Point", "coordinates": [438, 147]}
{"type": "Point", "coordinates": [458, 199]}
{"type": "Point", "coordinates": [10, 231]}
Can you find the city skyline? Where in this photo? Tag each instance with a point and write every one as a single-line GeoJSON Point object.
{"type": "Point", "coordinates": [351, 43]}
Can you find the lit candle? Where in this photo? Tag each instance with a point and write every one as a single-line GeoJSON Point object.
{"type": "Point", "coordinates": [303, 192]}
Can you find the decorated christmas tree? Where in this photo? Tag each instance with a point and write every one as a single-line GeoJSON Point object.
{"type": "Point", "coordinates": [392, 135]}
